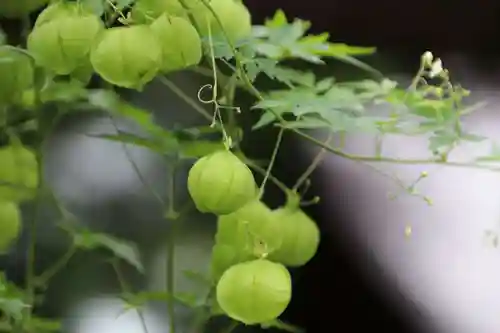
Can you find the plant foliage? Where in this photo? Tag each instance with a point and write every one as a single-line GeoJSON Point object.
{"type": "Point", "coordinates": [127, 44]}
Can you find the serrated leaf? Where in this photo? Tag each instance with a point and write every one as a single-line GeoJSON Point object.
{"type": "Point", "coordinates": [13, 307]}
{"type": "Point", "coordinates": [122, 249]}
{"type": "Point", "coordinates": [440, 141]}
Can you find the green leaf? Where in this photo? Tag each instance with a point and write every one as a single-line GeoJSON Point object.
{"type": "Point", "coordinates": [279, 39]}
{"type": "Point", "coordinates": [111, 102]}
{"type": "Point", "coordinates": [11, 299]}
{"type": "Point", "coordinates": [13, 307]}
{"type": "Point", "coordinates": [60, 91]}
{"type": "Point", "coordinates": [120, 248]}
{"type": "Point", "coordinates": [139, 299]}
{"type": "Point", "coordinates": [442, 141]}
{"type": "Point", "coordinates": [163, 147]}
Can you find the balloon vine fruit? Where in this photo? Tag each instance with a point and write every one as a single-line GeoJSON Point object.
{"type": "Point", "coordinates": [16, 75]}
{"type": "Point", "coordinates": [251, 228]}
{"type": "Point", "coordinates": [221, 183]}
{"type": "Point", "coordinates": [234, 17]}
{"type": "Point", "coordinates": [246, 234]}
{"type": "Point", "coordinates": [181, 44]}
{"type": "Point", "coordinates": [18, 174]}
{"type": "Point", "coordinates": [300, 237]}
{"type": "Point", "coordinates": [62, 43]}
{"type": "Point", "coordinates": [61, 9]}
{"type": "Point", "coordinates": [127, 57]}
{"type": "Point", "coordinates": [19, 8]}
{"type": "Point", "coordinates": [254, 292]}
{"type": "Point", "coordinates": [145, 11]}
{"type": "Point", "coordinates": [10, 224]}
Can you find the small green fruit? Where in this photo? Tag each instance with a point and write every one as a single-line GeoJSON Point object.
{"type": "Point", "coordinates": [61, 9]}
{"type": "Point", "coordinates": [63, 44]}
{"type": "Point", "coordinates": [18, 174]}
{"type": "Point", "coordinates": [146, 11]}
{"type": "Point", "coordinates": [19, 8]}
{"type": "Point", "coordinates": [300, 237]}
{"type": "Point", "coordinates": [16, 75]}
{"type": "Point", "coordinates": [181, 44]}
{"type": "Point", "coordinates": [128, 57]}
{"type": "Point", "coordinates": [234, 17]}
{"type": "Point", "coordinates": [220, 183]}
{"type": "Point", "coordinates": [254, 292]}
{"type": "Point", "coordinates": [225, 256]}
{"type": "Point", "coordinates": [10, 225]}
{"type": "Point", "coordinates": [249, 233]}
{"type": "Point", "coordinates": [251, 228]}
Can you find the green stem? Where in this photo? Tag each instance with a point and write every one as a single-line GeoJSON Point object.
{"type": "Point", "coordinates": [172, 215]}
{"type": "Point", "coordinates": [45, 277]}
{"type": "Point", "coordinates": [264, 172]}
{"type": "Point", "coordinates": [314, 164]}
{"type": "Point", "coordinates": [126, 290]}
{"type": "Point", "coordinates": [271, 163]}
{"type": "Point", "coordinates": [189, 101]}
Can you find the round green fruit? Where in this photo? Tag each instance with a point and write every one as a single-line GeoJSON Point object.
{"type": "Point", "coordinates": [127, 57]}
{"type": "Point", "coordinates": [254, 292]}
{"type": "Point", "coordinates": [247, 234]}
{"type": "Point", "coordinates": [235, 20]}
{"type": "Point", "coordinates": [62, 9]}
{"type": "Point", "coordinates": [16, 75]}
{"type": "Point", "coordinates": [251, 229]}
{"type": "Point", "coordinates": [181, 44]}
{"type": "Point", "coordinates": [300, 237]}
{"type": "Point", "coordinates": [221, 183]}
{"type": "Point", "coordinates": [18, 174]}
{"type": "Point", "coordinates": [10, 225]}
{"type": "Point", "coordinates": [63, 44]}
{"type": "Point", "coordinates": [225, 256]}
{"type": "Point", "coordinates": [146, 11]}
{"type": "Point", "coordinates": [19, 8]}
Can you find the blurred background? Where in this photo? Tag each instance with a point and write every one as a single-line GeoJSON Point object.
{"type": "Point", "coordinates": [368, 274]}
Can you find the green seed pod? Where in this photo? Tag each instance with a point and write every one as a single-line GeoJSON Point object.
{"type": "Point", "coordinates": [16, 75]}
{"type": "Point", "coordinates": [225, 256]}
{"type": "Point", "coordinates": [254, 292]}
{"type": "Point", "coordinates": [61, 9]}
{"type": "Point", "coordinates": [252, 228]}
{"type": "Point", "coordinates": [234, 17]}
{"type": "Point", "coordinates": [181, 44]}
{"type": "Point", "coordinates": [249, 233]}
{"type": "Point", "coordinates": [300, 237]}
{"type": "Point", "coordinates": [128, 57]}
{"type": "Point", "coordinates": [18, 174]}
{"type": "Point", "coordinates": [10, 225]}
{"type": "Point", "coordinates": [63, 44]}
{"type": "Point", "coordinates": [146, 11]}
{"type": "Point", "coordinates": [220, 183]}
{"type": "Point", "coordinates": [19, 8]}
